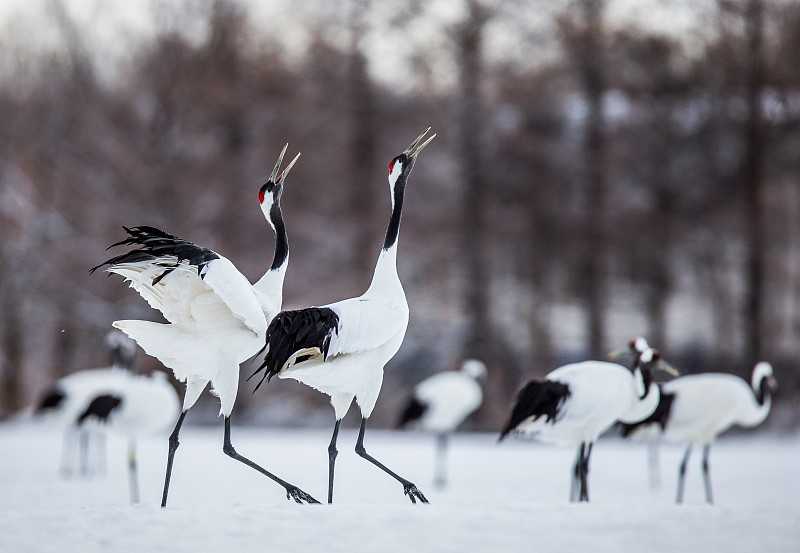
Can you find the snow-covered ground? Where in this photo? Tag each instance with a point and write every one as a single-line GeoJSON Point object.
{"type": "Point", "coordinates": [507, 497]}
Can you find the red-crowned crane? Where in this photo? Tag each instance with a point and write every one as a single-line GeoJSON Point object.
{"type": "Point", "coordinates": [696, 408]}
{"type": "Point", "coordinates": [131, 406]}
{"type": "Point", "coordinates": [217, 319]}
{"type": "Point", "coordinates": [440, 403]}
{"type": "Point", "coordinates": [576, 403]}
{"type": "Point", "coordinates": [68, 397]}
{"type": "Point", "coordinates": [340, 349]}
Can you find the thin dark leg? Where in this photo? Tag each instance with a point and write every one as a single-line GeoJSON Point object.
{"type": "Point", "coordinates": [585, 474]}
{"type": "Point", "coordinates": [332, 453]}
{"type": "Point", "coordinates": [682, 475]}
{"type": "Point", "coordinates": [133, 477]}
{"type": "Point", "coordinates": [706, 476]}
{"type": "Point", "coordinates": [576, 475]}
{"type": "Point", "coordinates": [440, 479]}
{"type": "Point", "coordinates": [173, 447]}
{"type": "Point", "coordinates": [408, 488]}
{"type": "Point", "coordinates": [292, 492]}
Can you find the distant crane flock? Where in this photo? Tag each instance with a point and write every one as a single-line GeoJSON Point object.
{"type": "Point", "coordinates": [216, 320]}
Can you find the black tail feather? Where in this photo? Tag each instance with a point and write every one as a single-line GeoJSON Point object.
{"type": "Point", "coordinates": [538, 398]}
{"type": "Point", "coordinates": [293, 331]}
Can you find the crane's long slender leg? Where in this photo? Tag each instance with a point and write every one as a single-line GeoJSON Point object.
{"type": "Point", "coordinates": [83, 448]}
{"type": "Point", "coordinates": [585, 474]}
{"type": "Point", "coordinates": [292, 492]}
{"type": "Point", "coordinates": [133, 475]}
{"type": "Point", "coordinates": [173, 447]}
{"type": "Point", "coordinates": [654, 465]}
{"type": "Point", "coordinates": [576, 475]}
{"type": "Point", "coordinates": [409, 488]}
{"type": "Point", "coordinates": [706, 475]}
{"type": "Point", "coordinates": [682, 474]}
{"type": "Point", "coordinates": [100, 453]}
{"type": "Point", "coordinates": [68, 452]}
{"type": "Point", "coordinates": [440, 479]}
{"type": "Point", "coordinates": [332, 453]}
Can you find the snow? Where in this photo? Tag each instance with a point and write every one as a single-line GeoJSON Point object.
{"type": "Point", "coordinates": [507, 497]}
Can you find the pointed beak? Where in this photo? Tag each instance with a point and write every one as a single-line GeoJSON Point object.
{"type": "Point", "coordinates": [286, 171]}
{"type": "Point", "coordinates": [772, 383]}
{"type": "Point", "coordinates": [667, 368]}
{"type": "Point", "coordinates": [277, 167]}
{"type": "Point", "coordinates": [415, 148]}
{"type": "Point", "coordinates": [617, 353]}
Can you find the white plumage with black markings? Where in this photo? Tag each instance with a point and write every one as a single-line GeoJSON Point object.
{"type": "Point", "coordinates": [340, 349]}
{"type": "Point", "coordinates": [216, 318]}
{"type": "Point", "coordinates": [131, 405]}
{"type": "Point", "coordinates": [696, 408]}
{"type": "Point", "coordinates": [576, 403]}
{"type": "Point", "coordinates": [441, 403]}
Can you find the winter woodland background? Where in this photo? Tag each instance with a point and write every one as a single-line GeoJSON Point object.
{"type": "Point", "coordinates": [603, 169]}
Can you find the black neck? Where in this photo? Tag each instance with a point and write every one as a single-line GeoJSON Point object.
{"type": "Point", "coordinates": [762, 393]}
{"type": "Point", "coordinates": [281, 240]}
{"type": "Point", "coordinates": [394, 221]}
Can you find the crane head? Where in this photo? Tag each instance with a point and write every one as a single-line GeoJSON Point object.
{"type": "Point", "coordinates": [401, 165]}
{"type": "Point", "coordinates": [271, 190]}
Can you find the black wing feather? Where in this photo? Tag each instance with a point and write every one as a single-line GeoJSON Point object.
{"type": "Point", "coordinates": [51, 400]}
{"type": "Point", "coordinates": [660, 416]}
{"type": "Point", "coordinates": [100, 408]}
{"type": "Point", "coordinates": [293, 331]}
{"type": "Point", "coordinates": [413, 412]}
{"type": "Point", "coordinates": [538, 398]}
{"type": "Point", "coordinates": [154, 243]}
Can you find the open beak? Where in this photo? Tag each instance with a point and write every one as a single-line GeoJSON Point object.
{"type": "Point", "coordinates": [618, 352]}
{"type": "Point", "coordinates": [286, 171]}
{"type": "Point", "coordinates": [277, 167]}
{"type": "Point", "coordinates": [415, 148]}
{"type": "Point", "coordinates": [667, 368]}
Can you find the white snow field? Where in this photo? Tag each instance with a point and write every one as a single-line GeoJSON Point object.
{"type": "Point", "coordinates": [502, 498]}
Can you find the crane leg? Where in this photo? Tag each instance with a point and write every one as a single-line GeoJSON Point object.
{"type": "Point", "coordinates": [576, 475]}
{"type": "Point", "coordinates": [292, 492]}
{"type": "Point", "coordinates": [440, 479]}
{"type": "Point", "coordinates": [706, 475]}
{"type": "Point", "coordinates": [409, 488]}
{"type": "Point", "coordinates": [332, 453]}
{"type": "Point", "coordinates": [682, 474]}
{"type": "Point", "coordinates": [68, 452]}
{"type": "Point", "coordinates": [133, 475]}
{"type": "Point", "coordinates": [173, 447]}
{"type": "Point", "coordinates": [654, 466]}
{"type": "Point", "coordinates": [585, 474]}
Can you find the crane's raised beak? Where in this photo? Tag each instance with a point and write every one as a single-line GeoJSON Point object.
{"type": "Point", "coordinates": [618, 352]}
{"type": "Point", "coordinates": [667, 368]}
{"type": "Point", "coordinates": [415, 148]}
{"type": "Point", "coordinates": [277, 167]}
{"type": "Point", "coordinates": [286, 171]}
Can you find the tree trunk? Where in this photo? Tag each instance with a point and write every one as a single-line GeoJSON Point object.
{"type": "Point", "coordinates": [753, 185]}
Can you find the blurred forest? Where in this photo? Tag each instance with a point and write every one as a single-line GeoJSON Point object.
{"type": "Point", "coordinates": [603, 169]}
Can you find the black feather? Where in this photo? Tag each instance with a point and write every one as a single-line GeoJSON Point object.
{"type": "Point", "coordinates": [660, 416]}
{"type": "Point", "coordinates": [100, 408]}
{"type": "Point", "coordinates": [51, 400]}
{"type": "Point", "coordinates": [293, 331]}
{"type": "Point", "coordinates": [538, 398]}
{"type": "Point", "coordinates": [154, 244]}
{"type": "Point", "coordinates": [413, 412]}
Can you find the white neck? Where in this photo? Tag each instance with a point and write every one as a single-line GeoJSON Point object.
{"type": "Point", "coordinates": [385, 280]}
{"type": "Point", "coordinates": [642, 408]}
{"type": "Point", "coordinates": [756, 412]}
{"type": "Point", "coordinates": [269, 290]}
